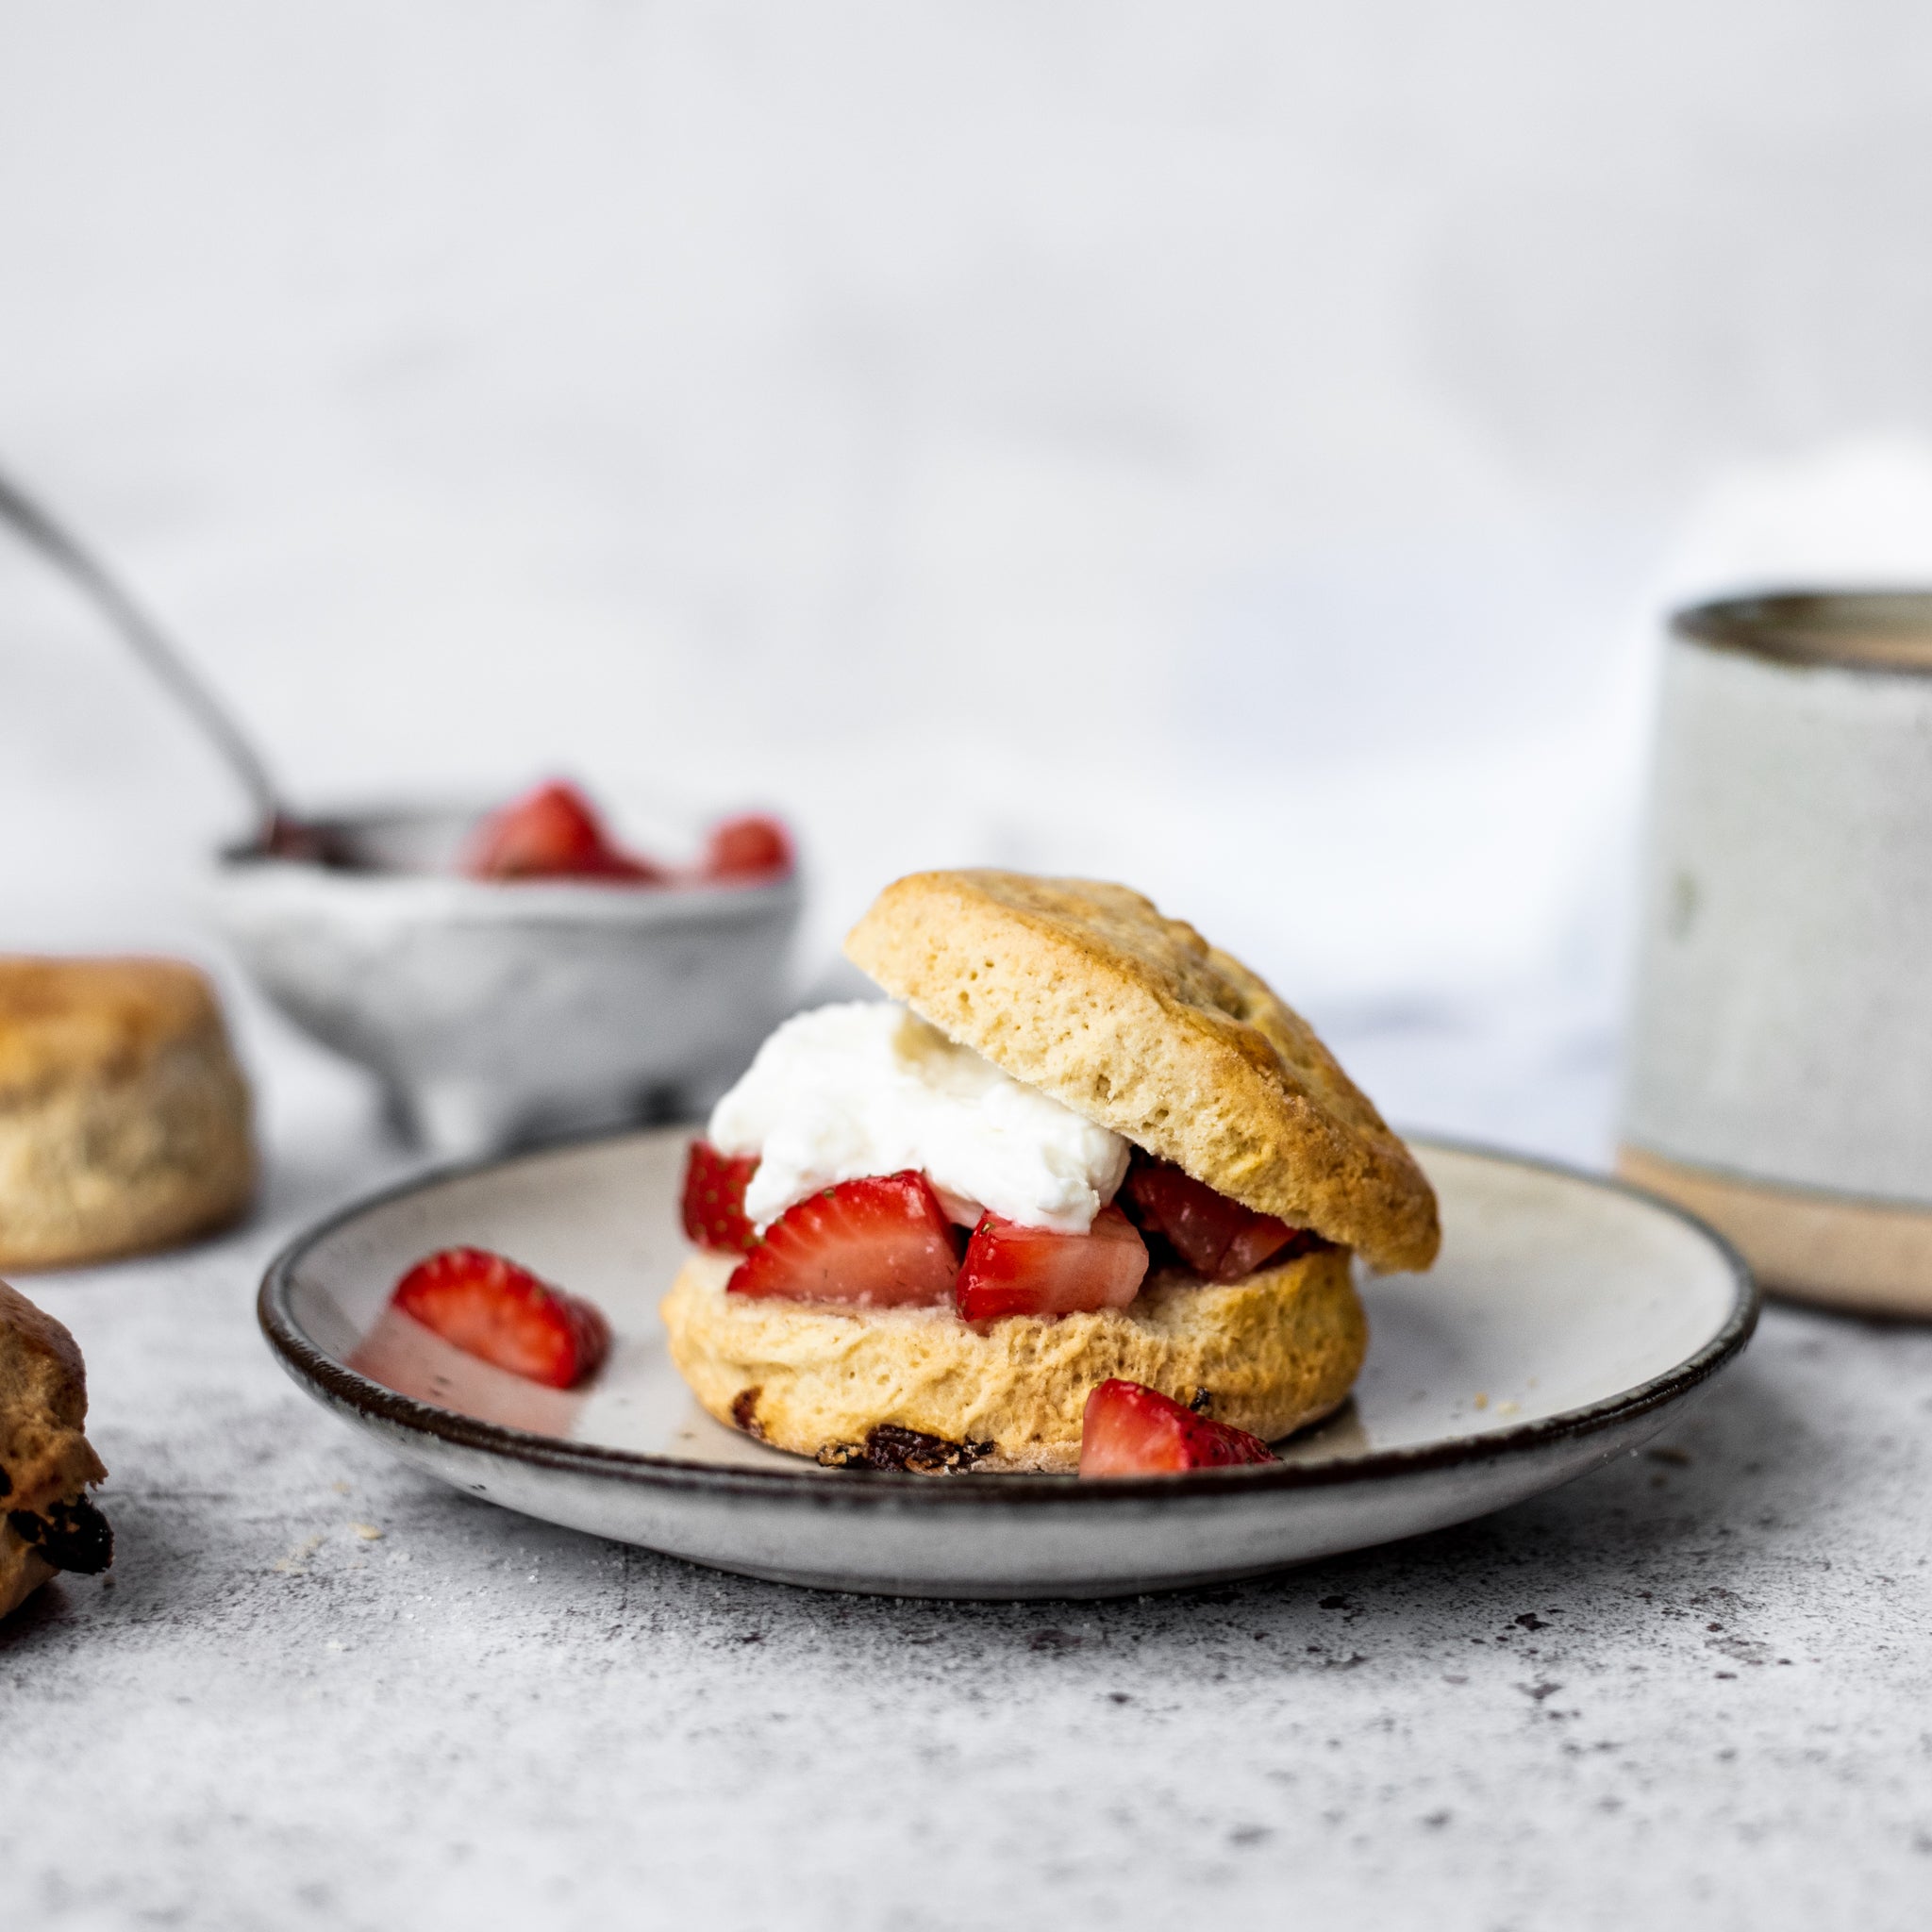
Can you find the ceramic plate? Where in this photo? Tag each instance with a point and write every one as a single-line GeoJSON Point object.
{"type": "Point", "coordinates": [1565, 1320]}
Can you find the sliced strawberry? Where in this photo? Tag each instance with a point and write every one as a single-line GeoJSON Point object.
{"type": "Point", "coordinates": [1129, 1429]}
{"type": "Point", "coordinates": [489, 1306]}
{"type": "Point", "coordinates": [883, 1241]}
{"type": "Point", "coordinates": [714, 1186]}
{"type": "Point", "coordinates": [1219, 1239]}
{"type": "Point", "coordinates": [1013, 1270]}
{"type": "Point", "coordinates": [550, 833]}
{"type": "Point", "coordinates": [741, 847]}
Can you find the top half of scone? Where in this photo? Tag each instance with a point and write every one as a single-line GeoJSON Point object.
{"type": "Point", "coordinates": [1085, 991]}
{"type": "Point", "coordinates": [1062, 1053]}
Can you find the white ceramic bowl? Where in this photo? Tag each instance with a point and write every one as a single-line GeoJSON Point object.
{"type": "Point", "coordinates": [499, 1013]}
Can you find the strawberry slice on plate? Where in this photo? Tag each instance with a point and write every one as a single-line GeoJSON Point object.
{"type": "Point", "coordinates": [488, 1307]}
{"type": "Point", "coordinates": [1129, 1429]}
{"type": "Point", "coordinates": [552, 833]}
{"type": "Point", "coordinates": [714, 1186]}
{"type": "Point", "coordinates": [1013, 1270]}
{"type": "Point", "coordinates": [883, 1241]}
{"type": "Point", "coordinates": [745, 847]}
{"type": "Point", "coordinates": [1218, 1239]}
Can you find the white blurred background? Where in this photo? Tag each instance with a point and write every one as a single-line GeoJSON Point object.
{"type": "Point", "coordinates": [1240, 447]}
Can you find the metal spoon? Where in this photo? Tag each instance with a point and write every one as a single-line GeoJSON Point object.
{"type": "Point", "coordinates": [278, 830]}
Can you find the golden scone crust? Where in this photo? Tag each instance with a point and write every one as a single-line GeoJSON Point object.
{"type": "Point", "coordinates": [46, 1463]}
{"type": "Point", "coordinates": [1085, 991]}
{"type": "Point", "coordinates": [123, 1119]}
{"type": "Point", "coordinates": [1269, 1354]}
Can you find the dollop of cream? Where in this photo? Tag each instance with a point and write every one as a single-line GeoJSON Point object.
{"type": "Point", "coordinates": [870, 1088]}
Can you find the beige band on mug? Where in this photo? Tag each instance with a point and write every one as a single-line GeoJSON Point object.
{"type": "Point", "coordinates": [1872, 1257]}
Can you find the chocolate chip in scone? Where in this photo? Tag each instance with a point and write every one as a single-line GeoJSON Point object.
{"type": "Point", "coordinates": [889, 1446]}
{"type": "Point", "coordinates": [6, 1483]}
{"type": "Point", "coordinates": [70, 1535]}
{"type": "Point", "coordinates": [744, 1411]}
{"type": "Point", "coordinates": [1201, 1402]}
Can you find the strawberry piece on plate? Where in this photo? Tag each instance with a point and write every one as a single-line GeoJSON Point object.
{"type": "Point", "coordinates": [1129, 1429]}
{"type": "Point", "coordinates": [1219, 1239]}
{"type": "Point", "coordinates": [1013, 1270]}
{"type": "Point", "coordinates": [744, 848]}
{"type": "Point", "coordinates": [490, 1308]}
{"type": "Point", "coordinates": [883, 1241]}
{"type": "Point", "coordinates": [552, 833]}
{"type": "Point", "coordinates": [714, 1186]}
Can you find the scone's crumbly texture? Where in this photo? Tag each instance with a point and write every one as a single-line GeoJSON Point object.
{"type": "Point", "coordinates": [1084, 990]}
{"type": "Point", "coordinates": [1269, 1354]}
{"type": "Point", "coordinates": [46, 1463]}
{"type": "Point", "coordinates": [123, 1119]}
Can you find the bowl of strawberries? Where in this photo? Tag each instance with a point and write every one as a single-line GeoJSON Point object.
{"type": "Point", "coordinates": [514, 973]}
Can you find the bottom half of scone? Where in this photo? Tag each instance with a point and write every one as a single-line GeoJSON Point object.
{"type": "Point", "coordinates": [1269, 1354]}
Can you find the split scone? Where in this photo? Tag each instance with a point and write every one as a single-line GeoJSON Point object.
{"type": "Point", "coordinates": [123, 1119]}
{"type": "Point", "coordinates": [1079, 1146]}
{"type": "Point", "coordinates": [46, 1464]}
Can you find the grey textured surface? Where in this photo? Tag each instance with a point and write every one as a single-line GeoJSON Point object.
{"type": "Point", "coordinates": [1692, 1690]}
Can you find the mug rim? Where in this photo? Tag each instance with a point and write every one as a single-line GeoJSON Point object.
{"type": "Point", "coordinates": [1878, 630]}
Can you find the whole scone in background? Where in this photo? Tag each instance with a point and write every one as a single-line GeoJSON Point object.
{"type": "Point", "coordinates": [124, 1118]}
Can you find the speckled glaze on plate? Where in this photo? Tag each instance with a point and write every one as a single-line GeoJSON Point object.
{"type": "Point", "coordinates": [1566, 1319]}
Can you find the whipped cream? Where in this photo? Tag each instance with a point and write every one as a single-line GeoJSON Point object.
{"type": "Point", "coordinates": [871, 1088]}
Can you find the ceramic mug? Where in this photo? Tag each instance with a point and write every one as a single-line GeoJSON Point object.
{"type": "Point", "coordinates": [1779, 1071]}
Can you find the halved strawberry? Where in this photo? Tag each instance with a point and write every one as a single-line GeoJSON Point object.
{"type": "Point", "coordinates": [714, 1186]}
{"type": "Point", "coordinates": [550, 833]}
{"type": "Point", "coordinates": [1219, 1239]}
{"type": "Point", "coordinates": [741, 847]}
{"type": "Point", "coordinates": [883, 1241]}
{"type": "Point", "coordinates": [1013, 1270]}
{"type": "Point", "coordinates": [1129, 1429]}
{"type": "Point", "coordinates": [488, 1307]}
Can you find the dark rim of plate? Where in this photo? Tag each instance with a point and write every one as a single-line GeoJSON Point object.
{"type": "Point", "coordinates": [337, 1385]}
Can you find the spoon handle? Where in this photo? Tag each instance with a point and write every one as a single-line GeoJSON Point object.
{"type": "Point", "coordinates": [151, 645]}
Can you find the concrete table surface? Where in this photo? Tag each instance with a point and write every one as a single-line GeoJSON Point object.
{"type": "Point", "coordinates": [1692, 1690]}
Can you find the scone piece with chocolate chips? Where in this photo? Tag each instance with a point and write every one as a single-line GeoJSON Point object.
{"type": "Point", "coordinates": [1270, 1353]}
{"type": "Point", "coordinates": [46, 1463]}
{"type": "Point", "coordinates": [1085, 992]}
